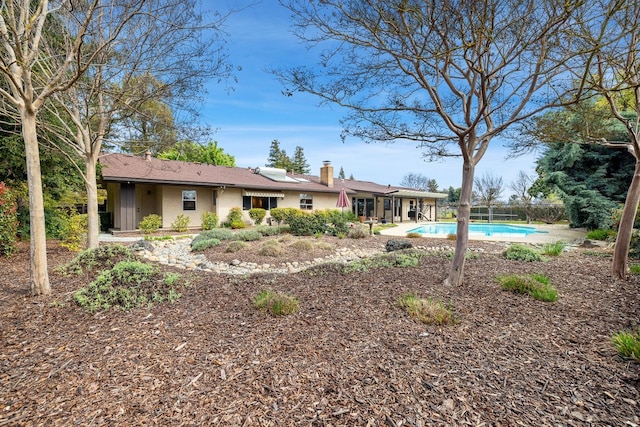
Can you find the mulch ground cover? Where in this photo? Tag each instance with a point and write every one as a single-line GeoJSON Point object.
{"type": "Point", "coordinates": [350, 357]}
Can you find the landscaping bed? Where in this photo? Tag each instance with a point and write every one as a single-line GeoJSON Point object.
{"type": "Point", "coordinates": [351, 356]}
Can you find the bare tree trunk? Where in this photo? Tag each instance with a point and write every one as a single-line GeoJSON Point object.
{"type": "Point", "coordinates": [93, 220]}
{"type": "Point", "coordinates": [625, 229]}
{"type": "Point", "coordinates": [39, 276]}
{"type": "Point", "coordinates": [464, 214]}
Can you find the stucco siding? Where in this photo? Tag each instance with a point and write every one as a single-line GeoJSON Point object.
{"type": "Point", "coordinates": [172, 205]}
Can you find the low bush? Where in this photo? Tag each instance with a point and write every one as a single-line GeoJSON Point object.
{"type": "Point", "coordinates": [237, 225]}
{"type": "Point", "coordinates": [553, 249]}
{"type": "Point", "coordinates": [536, 285]}
{"type": "Point", "coordinates": [89, 260]}
{"type": "Point", "coordinates": [284, 214]}
{"type": "Point", "coordinates": [302, 245]}
{"type": "Point", "coordinates": [634, 268]}
{"type": "Point", "coordinates": [129, 284]}
{"type": "Point", "coordinates": [270, 248]}
{"type": "Point", "coordinates": [275, 303]}
{"type": "Point", "coordinates": [203, 245]}
{"type": "Point", "coordinates": [209, 220]}
{"type": "Point", "coordinates": [267, 230]}
{"type": "Point", "coordinates": [357, 233]}
{"type": "Point", "coordinates": [428, 311]}
{"type": "Point", "coordinates": [181, 223]}
{"type": "Point", "coordinates": [522, 253]}
{"type": "Point", "coordinates": [257, 215]}
{"type": "Point", "coordinates": [600, 234]}
{"type": "Point", "coordinates": [235, 246]}
{"type": "Point", "coordinates": [307, 224]}
{"type": "Point", "coordinates": [150, 224]}
{"type": "Point", "coordinates": [414, 235]}
{"type": "Point", "coordinates": [247, 235]}
{"type": "Point", "coordinates": [628, 344]}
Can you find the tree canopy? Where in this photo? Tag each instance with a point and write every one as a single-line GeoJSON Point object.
{"type": "Point", "coordinates": [448, 75]}
{"type": "Point", "coordinates": [278, 159]}
{"type": "Point", "coordinates": [190, 151]}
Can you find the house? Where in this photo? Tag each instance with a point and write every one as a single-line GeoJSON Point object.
{"type": "Point", "coordinates": [139, 186]}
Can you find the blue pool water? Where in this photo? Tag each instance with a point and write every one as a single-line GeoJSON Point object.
{"type": "Point", "coordinates": [477, 229]}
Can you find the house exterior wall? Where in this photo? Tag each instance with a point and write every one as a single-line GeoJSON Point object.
{"type": "Point", "coordinates": [166, 201]}
{"type": "Point", "coordinates": [171, 203]}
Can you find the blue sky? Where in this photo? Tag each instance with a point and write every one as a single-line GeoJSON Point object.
{"type": "Point", "coordinates": [255, 113]}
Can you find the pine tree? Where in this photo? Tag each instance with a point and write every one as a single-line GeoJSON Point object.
{"type": "Point", "coordinates": [299, 163]}
{"type": "Point", "coordinates": [341, 173]}
{"type": "Point", "coordinates": [278, 158]}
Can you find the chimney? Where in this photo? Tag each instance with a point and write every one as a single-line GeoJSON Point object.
{"type": "Point", "coordinates": [147, 155]}
{"type": "Point", "coordinates": [326, 173]}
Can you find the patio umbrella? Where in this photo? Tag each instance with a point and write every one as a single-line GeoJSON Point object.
{"type": "Point", "coordinates": [343, 200]}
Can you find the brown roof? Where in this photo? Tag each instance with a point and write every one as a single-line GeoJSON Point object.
{"type": "Point", "coordinates": [124, 167]}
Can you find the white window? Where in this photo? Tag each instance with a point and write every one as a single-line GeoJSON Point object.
{"type": "Point", "coordinates": [189, 200]}
{"type": "Point", "coordinates": [306, 202]}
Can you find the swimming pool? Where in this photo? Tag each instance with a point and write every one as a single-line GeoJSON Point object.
{"type": "Point", "coordinates": [506, 230]}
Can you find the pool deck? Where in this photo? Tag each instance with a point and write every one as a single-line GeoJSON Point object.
{"type": "Point", "coordinates": [554, 233]}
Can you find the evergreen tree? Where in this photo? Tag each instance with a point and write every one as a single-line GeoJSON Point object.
{"type": "Point", "coordinates": [351, 177]}
{"type": "Point", "coordinates": [278, 157]}
{"type": "Point", "coordinates": [590, 179]}
{"type": "Point", "coordinates": [299, 163]}
{"type": "Point", "coordinates": [341, 173]}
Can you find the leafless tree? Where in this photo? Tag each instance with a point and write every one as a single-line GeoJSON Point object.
{"type": "Point", "coordinates": [521, 186]}
{"type": "Point", "coordinates": [45, 49]}
{"type": "Point", "coordinates": [415, 180]}
{"type": "Point", "coordinates": [440, 73]}
{"type": "Point", "coordinates": [488, 189]}
{"type": "Point", "coordinates": [171, 46]}
{"type": "Point", "coordinates": [612, 71]}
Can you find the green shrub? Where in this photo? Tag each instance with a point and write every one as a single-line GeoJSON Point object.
{"type": "Point", "coordinates": [553, 249]}
{"type": "Point", "coordinates": [150, 223]}
{"type": "Point", "coordinates": [235, 246]}
{"type": "Point", "coordinates": [257, 215]}
{"type": "Point", "coordinates": [236, 225]}
{"type": "Point", "coordinates": [428, 311]}
{"type": "Point", "coordinates": [271, 248]}
{"type": "Point", "coordinates": [536, 285]}
{"type": "Point", "coordinates": [181, 223]}
{"type": "Point", "coordinates": [203, 245]}
{"type": "Point", "coordinates": [8, 220]}
{"type": "Point", "coordinates": [414, 235]}
{"type": "Point", "coordinates": [209, 220]}
{"type": "Point", "coordinates": [75, 234]}
{"type": "Point", "coordinates": [357, 233]}
{"type": "Point", "coordinates": [308, 224]}
{"type": "Point", "coordinates": [267, 230]}
{"type": "Point", "coordinates": [283, 214]}
{"type": "Point", "coordinates": [302, 245]}
{"type": "Point", "coordinates": [216, 233]}
{"type": "Point", "coordinates": [634, 268]}
{"type": "Point", "coordinates": [129, 284]}
{"type": "Point", "coordinates": [600, 234]}
{"type": "Point", "coordinates": [278, 304]}
{"type": "Point", "coordinates": [235, 215]}
{"type": "Point", "coordinates": [628, 344]}
{"type": "Point", "coordinates": [247, 235]}
{"type": "Point", "coordinates": [102, 257]}
{"type": "Point", "coordinates": [522, 253]}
